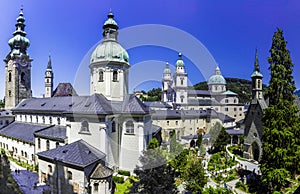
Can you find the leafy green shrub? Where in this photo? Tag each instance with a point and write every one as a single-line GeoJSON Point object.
{"type": "Point", "coordinates": [118, 179]}
{"type": "Point", "coordinates": [124, 172]}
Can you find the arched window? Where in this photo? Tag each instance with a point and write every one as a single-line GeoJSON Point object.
{"type": "Point", "coordinates": [9, 93]}
{"type": "Point", "coordinates": [129, 127]}
{"type": "Point", "coordinates": [9, 77]}
{"type": "Point", "coordinates": [226, 100]}
{"type": "Point", "coordinates": [47, 145]}
{"type": "Point", "coordinates": [37, 119]}
{"type": "Point", "coordinates": [25, 154]}
{"type": "Point", "coordinates": [84, 126]}
{"type": "Point", "coordinates": [115, 75]}
{"type": "Point", "coordinates": [258, 84]}
{"type": "Point", "coordinates": [39, 143]}
{"type": "Point", "coordinates": [49, 168]}
{"type": "Point", "coordinates": [23, 77]}
{"type": "Point", "coordinates": [58, 121]}
{"type": "Point", "coordinates": [69, 175]}
{"type": "Point", "coordinates": [113, 127]}
{"type": "Point", "coordinates": [96, 185]}
{"type": "Point", "coordinates": [50, 120]}
{"type": "Point", "coordinates": [101, 76]}
{"type": "Point", "coordinates": [216, 88]}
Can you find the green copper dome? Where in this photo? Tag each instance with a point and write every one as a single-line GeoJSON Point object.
{"type": "Point", "coordinates": [179, 62]}
{"type": "Point", "coordinates": [18, 43]}
{"type": "Point", "coordinates": [217, 78]}
{"type": "Point", "coordinates": [167, 69]}
{"type": "Point", "coordinates": [110, 51]}
{"type": "Point", "coordinates": [110, 21]}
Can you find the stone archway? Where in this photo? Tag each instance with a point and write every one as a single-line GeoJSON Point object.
{"type": "Point", "coordinates": [255, 151]}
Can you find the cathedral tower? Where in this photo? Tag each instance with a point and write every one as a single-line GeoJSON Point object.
{"type": "Point", "coordinates": [256, 80]}
{"type": "Point", "coordinates": [109, 64]}
{"type": "Point", "coordinates": [49, 80]}
{"type": "Point", "coordinates": [180, 82]}
{"type": "Point", "coordinates": [18, 66]}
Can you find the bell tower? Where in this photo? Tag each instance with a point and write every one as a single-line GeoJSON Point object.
{"type": "Point", "coordinates": [17, 66]}
{"type": "Point", "coordinates": [180, 82]}
{"type": "Point", "coordinates": [109, 64]}
{"type": "Point", "coordinates": [256, 80]}
{"type": "Point", "coordinates": [49, 80]}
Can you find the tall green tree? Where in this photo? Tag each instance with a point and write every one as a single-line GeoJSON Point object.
{"type": "Point", "coordinates": [281, 131]}
{"type": "Point", "coordinates": [155, 174]}
{"type": "Point", "coordinates": [194, 175]}
{"type": "Point", "coordinates": [175, 147]}
{"type": "Point", "coordinates": [214, 132]}
{"type": "Point", "coordinates": [221, 141]}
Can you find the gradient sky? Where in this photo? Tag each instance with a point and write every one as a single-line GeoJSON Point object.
{"type": "Point", "coordinates": [229, 30]}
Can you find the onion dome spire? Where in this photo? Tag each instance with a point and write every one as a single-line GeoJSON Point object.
{"type": "Point", "coordinates": [256, 72]}
{"type": "Point", "coordinates": [19, 43]}
{"type": "Point", "coordinates": [110, 27]}
{"type": "Point", "coordinates": [167, 69]}
{"type": "Point", "coordinates": [179, 62]}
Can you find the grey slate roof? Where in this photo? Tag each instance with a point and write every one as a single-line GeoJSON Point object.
{"type": "Point", "coordinates": [198, 92]}
{"type": "Point", "coordinates": [64, 89]}
{"type": "Point", "coordinates": [157, 104]}
{"type": "Point", "coordinates": [94, 104]}
{"type": "Point", "coordinates": [78, 153]}
{"type": "Point", "coordinates": [5, 113]}
{"type": "Point", "coordinates": [21, 131]}
{"type": "Point", "coordinates": [235, 131]}
{"type": "Point", "coordinates": [179, 114]}
{"type": "Point", "coordinates": [101, 172]}
{"type": "Point", "coordinates": [202, 102]}
{"type": "Point", "coordinates": [55, 132]}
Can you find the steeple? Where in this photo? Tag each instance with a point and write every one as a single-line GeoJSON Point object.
{"type": "Point", "coordinates": [256, 80]}
{"type": "Point", "coordinates": [49, 79]}
{"type": "Point", "coordinates": [18, 66]}
{"type": "Point", "coordinates": [19, 43]}
{"type": "Point", "coordinates": [49, 66]}
{"type": "Point", "coordinates": [256, 72]}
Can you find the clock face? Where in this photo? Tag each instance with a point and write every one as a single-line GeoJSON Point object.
{"type": "Point", "coordinates": [23, 62]}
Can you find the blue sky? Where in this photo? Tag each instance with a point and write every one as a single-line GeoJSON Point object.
{"type": "Point", "coordinates": [229, 30]}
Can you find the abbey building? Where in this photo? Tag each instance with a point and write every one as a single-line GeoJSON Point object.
{"type": "Point", "coordinates": [77, 142]}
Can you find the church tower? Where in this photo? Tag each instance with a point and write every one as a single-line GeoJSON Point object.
{"type": "Point", "coordinates": [256, 80]}
{"type": "Point", "coordinates": [49, 80]}
{"type": "Point", "coordinates": [17, 67]}
{"type": "Point", "coordinates": [109, 64]}
{"type": "Point", "coordinates": [180, 82]}
{"type": "Point", "coordinates": [167, 91]}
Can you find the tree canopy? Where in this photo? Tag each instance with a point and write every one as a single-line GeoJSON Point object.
{"type": "Point", "coordinates": [281, 131]}
{"type": "Point", "coordinates": [155, 174]}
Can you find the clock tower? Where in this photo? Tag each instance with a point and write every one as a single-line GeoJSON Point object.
{"type": "Point", "coordinates": [17, 67]}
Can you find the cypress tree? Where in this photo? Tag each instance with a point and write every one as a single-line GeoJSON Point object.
{"type": "Point", "coordinates": [281, 145]}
